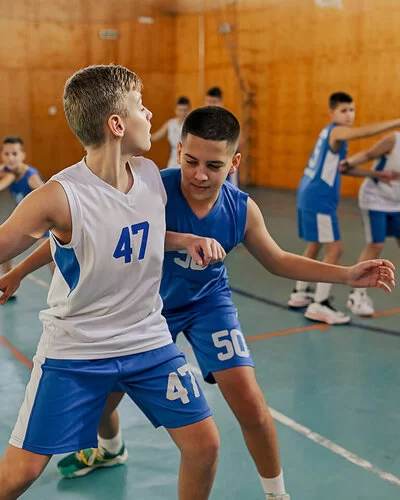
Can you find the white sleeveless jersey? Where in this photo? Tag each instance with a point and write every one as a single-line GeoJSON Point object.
{"type": "Point", "coordinates": [103, 299]}
{"type": "Point", "coordinates": [174, 136]}
{"type": "Point", "coordinates": [376, 195]}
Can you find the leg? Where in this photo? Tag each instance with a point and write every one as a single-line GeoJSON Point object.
{"type": "Point", "coordinates": [19, 469]}
{"type": "Point", "coordinates": [110, 451]}
{"type": "Point", "coordinates": [245, 398]}
{"type": "Point", "coordinates": [199, 446]}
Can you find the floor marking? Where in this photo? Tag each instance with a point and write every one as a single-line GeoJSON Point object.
{"type": "Point", "coordinates": [318, 326]}
{"type": "Point", "coordinates": [386, 313]}
{"type": "Point", "coordinates": [335, 448]}
{"type": "Point", "coordinates": [16, 353]}
{"type": "Point", "coordinates": [38, 281]}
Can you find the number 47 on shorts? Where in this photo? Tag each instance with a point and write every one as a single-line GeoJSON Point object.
{"type": "Point", "coordinates": [175, 388]}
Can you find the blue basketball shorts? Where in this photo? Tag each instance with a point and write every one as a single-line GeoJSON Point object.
{"type": "Point", "coordinates": [65, 399]}
{"type": "Point", "coordinates": [215, 335]}
{"type": "Point", "coordinates": [317, 227]}
{"type": "Point", "coordinates": [379, 225]}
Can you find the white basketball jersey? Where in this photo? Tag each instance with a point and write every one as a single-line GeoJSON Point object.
{"type": "Point", "coordinates": [174, 136]}
{"type": "Point", "coordinates": [103, 299]}
{"type": "Point", "coordinates": [376, 195]}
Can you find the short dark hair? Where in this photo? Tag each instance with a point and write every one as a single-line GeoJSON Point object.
{"type": "Point", "coordinates": [13, 139]}
{"type": "Point", "coordinates": [339, 98]}
{"type": "Point", "coordinates": [215, 92]}
{"type": "Point", "coordinates": [212, 123]}
{"type": "Point", "coordinates": [183, 101]}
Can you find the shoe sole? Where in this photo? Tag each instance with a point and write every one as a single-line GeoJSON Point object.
{"type": "Point", "coordinates": [324, 319]}
{"type": "Point", "coordinates": [299, 305]}
{"type": "Point", "coordinates": [120, 460]}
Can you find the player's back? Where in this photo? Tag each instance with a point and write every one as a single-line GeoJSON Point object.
{"type": "Point", "coordinates": [184, 282]}
{"type": "Point", "coordinates": [319, 188]}
{"type": "Point", "coordinates": [105, 287]}
{"type": "Point", "coordinates": [377, 195]}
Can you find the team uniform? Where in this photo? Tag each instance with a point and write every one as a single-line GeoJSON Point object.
{"type": "Point", "coordinates": [319, 190]}
{"type": "Point", "coordinates": [21, 188]}
{"type": "Point", "coordinates": [103, 330]}
{"type": "Point", "coordinates": [174, 135]}
{"type": "Point", "coordinates": [379, 202]}
{"type": "Point", "coordinates": [197, 301]}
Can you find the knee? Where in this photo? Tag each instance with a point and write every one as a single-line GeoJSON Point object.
{"type": "Point", "coordinates": [205, 452]}
{"type": "Point", "coordinates": [19, 478]}
{"type": "Point", "coordinates": [252, 413]}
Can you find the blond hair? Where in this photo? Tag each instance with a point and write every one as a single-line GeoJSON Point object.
{"type": "Point", "coordinates": [94, 93]}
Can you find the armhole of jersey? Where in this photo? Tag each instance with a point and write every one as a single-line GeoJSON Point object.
{"type": "Point", "coordinates": [329, 146]}
{"type": "Point", "coordinates": [242, 216]}
{"type": "Point", "coordinates": [76, 215]}
{"type": "Point", "coordinates": [163, 192]}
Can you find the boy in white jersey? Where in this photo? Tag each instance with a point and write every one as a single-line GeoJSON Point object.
{"type": "Point", "coordinates": [317, 201]}
{"type": "Point", "coordinates": [104, 327]}
{"type": "Point", "coordinates": [379, 202]}
{"type": "Point", "coordinates": [198, 302]}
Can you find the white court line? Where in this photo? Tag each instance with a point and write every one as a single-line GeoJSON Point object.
{"type": "Point", "coordinates": [301, 429]}
{"type": "Point", "coordinates": [335, 448]}
{"type": "Point", "coordinates": [38, 281]}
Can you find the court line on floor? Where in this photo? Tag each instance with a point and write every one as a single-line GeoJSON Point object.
{"type": "Point", "coordinates": [353, 324]}
{"type": "Point", "coordinates": [38, 281]}
{"type": "Point", "coordinates": [318, 326]}
{"type": "Point", "coordinates": [16, 353]}
{"type": "Point", "coordinates": [335, 448]}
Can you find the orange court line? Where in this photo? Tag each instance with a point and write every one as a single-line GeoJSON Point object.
{"type": "Point", "coordinates": [318, 326]}
{"type": "Point", "coordinates": [17, 354]}
{"type": "Point", "coordinates": [396, 310]}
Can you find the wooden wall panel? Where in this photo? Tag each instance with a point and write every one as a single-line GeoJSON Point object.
{"type": "Point", "coordinates": [43, 44]}
{"type": "Point", "coordinates": [292, 55]}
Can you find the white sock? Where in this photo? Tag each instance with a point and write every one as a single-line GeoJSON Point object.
{"type": "Point", "coordinates": [322, 292]}
{"type": "Point", "coordinates": [112, 445]}
{"type": "Point", "coordinates": [301, 286]}
{"type": "Point", "coordinates": [275, 485]}
{"type": "Point", "coordinates": [360, 291]}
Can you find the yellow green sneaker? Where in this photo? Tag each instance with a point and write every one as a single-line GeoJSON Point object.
{"type": "Point", "coordinates": [85, 461]}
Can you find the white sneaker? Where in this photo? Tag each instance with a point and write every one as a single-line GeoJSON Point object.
{"type": "Point", "coordinates": [270, 496]}
{"type": "Point", "coordinates": [301, 298]}
{"type": "Point", "coordinates": [326, 313]}
{"type": "Point", "coordinates": [360, 303]}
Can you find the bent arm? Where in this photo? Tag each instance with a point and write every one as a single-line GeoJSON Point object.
{"type": "Point", "coordinates": [37, 259]}
{"type": "Point", "coordinates": [277, 261]}
{"type": "Point", "coordinates": [43, 209]}
{"type": "Point", "coordinates": [160, 133]}
{"type": "Point", "coordinates": [382, 147]}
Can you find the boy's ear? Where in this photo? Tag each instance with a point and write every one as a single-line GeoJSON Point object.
{"type": "Point", "coordinates": [116, 125]}
{"type": "Point", "coordinates": [235, 163]}
{"type": "Point", "coordinates": [179, 153]}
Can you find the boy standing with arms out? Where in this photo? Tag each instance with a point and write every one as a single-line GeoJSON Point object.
{"type": "Point", "coordinates": [197, 300]}
{"type": "Point", "coordinates": [103, 328]}
{"type": "Point", "coordinates": [379, 201]}
{"type": "Point", "coordinates": [317, 202]}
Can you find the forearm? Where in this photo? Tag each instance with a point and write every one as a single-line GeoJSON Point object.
{"type": "Point", "coordinates": [176, 241]}
{"type": "Point", "coordinates": [300, 268]}
{"type": "Point", "coordinates": [377, 128]}
{"type": "Point", "coordinates": [360, 172]}
{"type": "Point", "coordinates": [39, 258]}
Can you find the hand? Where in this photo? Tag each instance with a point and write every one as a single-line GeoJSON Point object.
{"type": "Point", "coordinates": [205, 251]}
{"type": "Point", "coordinates": [9, 283]}
{"type": "Point", "coordinates": [372, 273]}
{"type": "Point", "coordinates": [387, 176]}
{"type": "Point", "coordinates": [344, 166]}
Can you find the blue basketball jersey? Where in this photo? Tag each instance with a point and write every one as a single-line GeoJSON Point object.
{"type": "Point", "coordinates": [21, 188]}
{"type": "Point", "coordinates": [184, 282]}
{"type": "Point", "coordinates": [319, 187]}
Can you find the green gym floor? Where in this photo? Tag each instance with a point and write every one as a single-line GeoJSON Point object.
{"type": "Point", "coordinates": [334, 392]}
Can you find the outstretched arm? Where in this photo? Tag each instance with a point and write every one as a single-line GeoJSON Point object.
{"type": "Point", "coordinates": [373, 273]}
{"type": "Point", "coordinates": [342, 133]}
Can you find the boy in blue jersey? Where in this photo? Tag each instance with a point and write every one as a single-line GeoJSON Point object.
{"type": "Point", "coordinates": [197, 299]}
{"type": "Point", "coordinates": [317, 201]}
{"type": "Point", "coordinates": [20, 178]}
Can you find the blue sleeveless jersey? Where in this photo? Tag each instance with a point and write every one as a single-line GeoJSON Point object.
{"type": "Point", "coordinates": [319, 187]}
{"type": "Point", "coordinates": [21, 188]}
{"type": "Point", "coordinates": [184, 282]}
